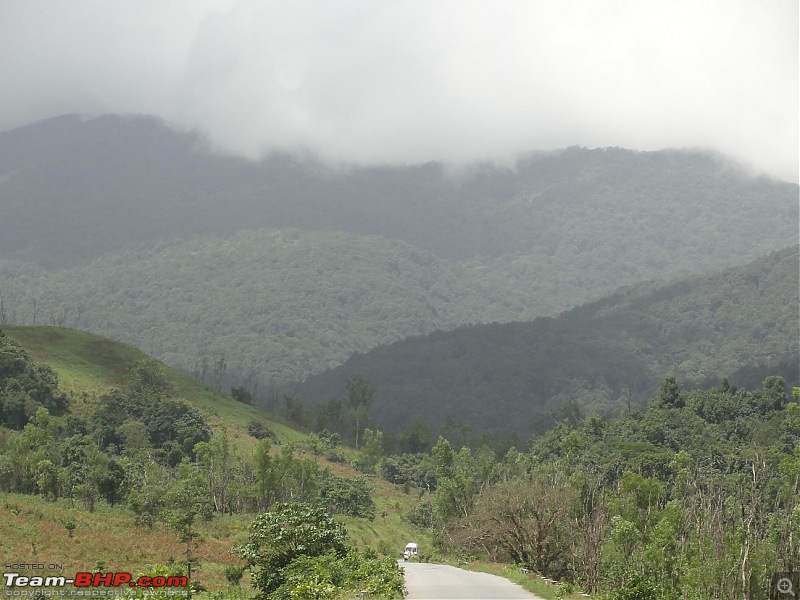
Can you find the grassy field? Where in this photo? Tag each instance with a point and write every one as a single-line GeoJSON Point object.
{"type": "Point", "coordinates": [33, 530]}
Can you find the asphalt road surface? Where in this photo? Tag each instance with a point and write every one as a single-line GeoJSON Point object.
{"type": "Point", "coordinates": [426, 581]}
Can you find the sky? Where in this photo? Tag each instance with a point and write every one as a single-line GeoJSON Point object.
{"type": "Point", "coordinates": [391, 81]}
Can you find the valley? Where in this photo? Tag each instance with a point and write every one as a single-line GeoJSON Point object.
{"type": "Point", "coordinates": [270, 375]}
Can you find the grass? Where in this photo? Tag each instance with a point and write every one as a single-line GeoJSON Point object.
{"type": "Point", "coordinates": [32, 530]}
{"type": "Point", "coordinates": [530, 581]}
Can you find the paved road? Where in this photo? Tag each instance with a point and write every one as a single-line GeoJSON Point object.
{"type": "Point", "coordinates": [426, 581]}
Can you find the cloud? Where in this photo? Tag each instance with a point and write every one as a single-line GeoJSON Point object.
{"type": "Point", "coordinates": [386, 81]}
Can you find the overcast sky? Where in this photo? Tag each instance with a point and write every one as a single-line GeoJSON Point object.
{"type": "Point", "coordinates": [411, 81]}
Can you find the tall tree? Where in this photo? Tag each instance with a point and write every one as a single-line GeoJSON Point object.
{"type": "Point", "coordinates": [360, 396]}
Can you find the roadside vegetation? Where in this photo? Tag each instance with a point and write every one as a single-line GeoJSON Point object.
{"type": "Point", "coordinates": [696, 497]}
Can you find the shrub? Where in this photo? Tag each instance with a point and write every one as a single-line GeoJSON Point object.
{"type": "Point", "coordinates": [298, 551]}
{"type": "Point", "coordinates": [288, 532]}
{"type": "Point", "coordinates": [234, 573]}
{"type": "Point", "coordinates": [259, 430]}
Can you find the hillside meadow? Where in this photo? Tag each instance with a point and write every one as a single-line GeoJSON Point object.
{"type": "Point", "coordinates": [64, 530]}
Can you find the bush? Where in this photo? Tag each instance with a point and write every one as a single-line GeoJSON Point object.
{"type": "Point", "coordinates": [234, 573]}
{"type": "Point", "coordinates": [638, 587]}
{"type": "Point", "coordinates": [335, 455]}
{"type": "Point", "coordinates": [288, 532]}
{"type": "Point", "coordinates": [421, 515]}
{"type": "Point", "coordinates": [259, 430]}
{"type": "Point", "coordinates": [242, 395]}
{"type": "Point", "coordinates": [297, 551]}
{"type": "Point", "coordinates": [386, 549]}
{"type": "Point", "coordinates": [347, 496]}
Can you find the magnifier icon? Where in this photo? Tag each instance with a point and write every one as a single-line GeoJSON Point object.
{"type": "Point", "coordinates": [784, 586]}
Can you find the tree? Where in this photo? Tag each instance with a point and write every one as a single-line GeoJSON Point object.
{"type": "Point", "coordinates": [3, 311]}
{"type": "Point", "coordinates": [372, 452]}
{"type": "Point", "coordinates": [25, 386]}
{"type": "Point", "coordinates": [146, 379]}
{"type": "Point", "coordinates": [146, 494]}
{"type": "Point", "coordinates": [265, 479]}
{"type": "Point", "coordinates": [216, 458]}
{"type": "Point", "coordinates": [347, 496]}
{"type": "Point", "coordinates": [527, 520]}
{"type": "Point", "coordinates": [220, 367]}
{"type": "Point", "coordinates": [188, 499]}
{"type": "Point", "coordinates": [773, 394]}
{"type": "Point", "coordinates": [295, 410]}
{"type": "Point", "coordinates": [242, 395]}
{"type": "Point", "coordinates": [360, 395]}
{"type": "Point", "coordinates": [286, 533]}
{"type": "Point", "coordinates": [670, 393]}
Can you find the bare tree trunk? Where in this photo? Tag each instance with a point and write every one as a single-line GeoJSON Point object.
{"type": "Point", "coordinates": [203, 369]}
{"type": "Point", "coordinates": [79, 309]}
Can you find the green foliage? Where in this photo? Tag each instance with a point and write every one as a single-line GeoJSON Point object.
{"type": "Point", "coordinates": [234, 573]}
{"type": "Point", "coordinates": [360, 396]}
{"type": "Point", "coordinates": [260, 430]}
{"type": "Point", "coordinates": [638, 587]}
{"type": "Point", "coordinates": [64, 458]}
{"type": "Point", "coordinates": [421, 515]}
{"type": "Point", "coordinates": [146, 379]}
{"type": "Point", "coordinates": [347, 496]}
{"type": "Point", "coordinates": [146, 493]}
{"type": "Point", "coordinates": [25, 386]}
{"type": "Point", "coordinates": [242, 395]}
{"type": "Point", "coordinates": [286, 533]}
{"type": "Point", "coordinates": [144, 406]}
{"type": "Point", "coordinates": [371, 453]}
{"type": "Point", "coordinates": [326, 576]}
{"type": "Point", "coordinates": [296, 410]}
{"type": "Point", "coordinates": [656, 505]}
{"type": "Point", "coordinates": [409, 470]}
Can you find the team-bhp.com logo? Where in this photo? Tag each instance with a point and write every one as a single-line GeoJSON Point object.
{"type": "Point", "coordinates": [84, 579]}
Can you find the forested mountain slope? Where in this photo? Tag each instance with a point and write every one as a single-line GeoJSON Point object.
{"type": "Point", "coordinates": [515, 376]}
{"type": "Point", "coordinates": [72, 189]}
{"type": "Point", "coordinates": [124, 227]}
{"type": "Point", "coordinates": [281, 303]}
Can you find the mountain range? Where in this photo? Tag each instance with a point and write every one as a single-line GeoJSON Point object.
{"type": "Point", "coordinates": [286, 266]}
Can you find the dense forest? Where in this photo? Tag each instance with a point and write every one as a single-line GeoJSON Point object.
{"type": "Point", "coordinates": [283, 303]}
{"type": "Point", "coordinates": [604, 355]}
{"type": "Point", "coordinates": [285, 267]}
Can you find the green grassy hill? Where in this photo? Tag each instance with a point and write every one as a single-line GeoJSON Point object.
{"type": "Point", "coordinates": [33, 529]}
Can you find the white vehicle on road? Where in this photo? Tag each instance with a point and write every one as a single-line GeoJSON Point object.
{"type": "Point", "coordinates": [411, 552]}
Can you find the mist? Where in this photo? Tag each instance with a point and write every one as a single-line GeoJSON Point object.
{"type": "Point", "coordinates": [409, 82]}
